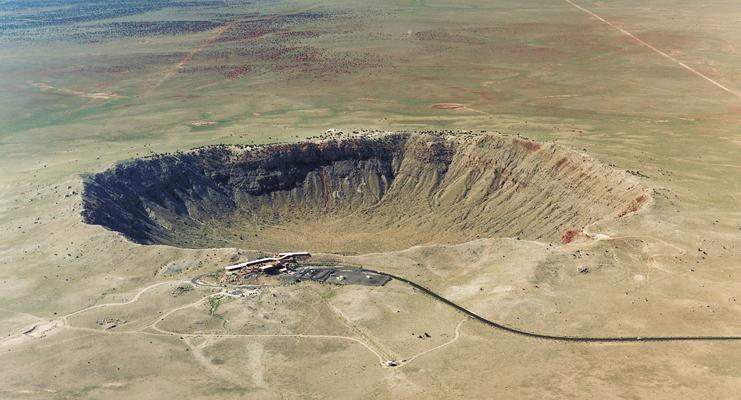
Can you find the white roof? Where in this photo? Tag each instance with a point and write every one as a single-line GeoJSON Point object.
{"type": "Point", "coordinates": [281, 256]}
{"type": "Point", "coordinates": [248, 263]}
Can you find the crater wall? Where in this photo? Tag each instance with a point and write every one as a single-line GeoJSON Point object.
{"type": "Point", "coordinates": [357, 194]}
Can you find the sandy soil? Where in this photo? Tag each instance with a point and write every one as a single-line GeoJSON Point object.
{"type": "Point", "coordinates": [87, 314]}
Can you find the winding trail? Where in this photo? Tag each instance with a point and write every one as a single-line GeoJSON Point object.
{"type": "Point", "coordinates": [154, 326]}
{"type": "Point", "coordinates": [62, 321]}
{"type": "Point", "coordinates": [449, 342]}
{"type": "Point", "coordinates": [167, 333]}
{"type": "Point", "coordinates": [133, 299]}
{"type": "Point", "coordinates": [380, 354]}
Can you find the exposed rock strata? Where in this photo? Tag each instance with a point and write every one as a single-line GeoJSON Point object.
{"type": "Point", "coordinates": [365, 193]}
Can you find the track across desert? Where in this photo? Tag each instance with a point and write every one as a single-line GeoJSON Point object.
{"type": "Point", "coordinates": [256, 199]}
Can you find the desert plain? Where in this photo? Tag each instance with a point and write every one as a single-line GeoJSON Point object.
{"type": "Point", "coordinates": [573, 171]}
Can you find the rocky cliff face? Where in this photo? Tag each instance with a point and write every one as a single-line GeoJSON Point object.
{"type": "Point", "coordinates": [365, 193]}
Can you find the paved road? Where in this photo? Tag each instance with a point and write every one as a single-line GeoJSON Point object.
{"type": "Point", "coordinates": [561, 338]}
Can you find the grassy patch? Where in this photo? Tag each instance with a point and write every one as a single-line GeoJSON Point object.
{"type": "Point", "coordinates": [213, 304]}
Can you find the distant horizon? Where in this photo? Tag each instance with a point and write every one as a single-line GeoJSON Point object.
{"type": "Point", "coordinates": [527, 200]}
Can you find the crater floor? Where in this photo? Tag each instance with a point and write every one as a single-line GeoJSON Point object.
{"type": "Point", "coordinates": [376, 192]}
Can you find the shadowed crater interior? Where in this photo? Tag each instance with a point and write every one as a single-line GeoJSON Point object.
{"type": "Point", "coordinates": [376, 192]}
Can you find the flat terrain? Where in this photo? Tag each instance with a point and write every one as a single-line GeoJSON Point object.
{"type": "Point", "coordinates": [651, 88]}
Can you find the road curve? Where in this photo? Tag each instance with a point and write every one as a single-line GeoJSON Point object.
{"type": "Point", "coordinates": [560, 338]}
